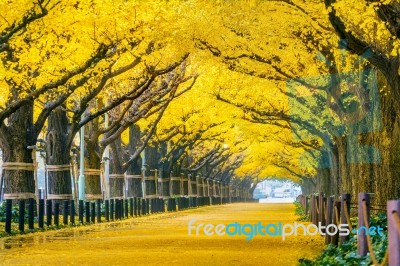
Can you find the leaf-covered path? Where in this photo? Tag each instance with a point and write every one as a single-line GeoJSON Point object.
{"type": "Point", "coordinates": [163, 240]}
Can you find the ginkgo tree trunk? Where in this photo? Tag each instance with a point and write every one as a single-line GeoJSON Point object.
{"type": "Point", "coordinates": [58, 152]}
{"type": "Point", "coordinates": [383, 54]}
{"type": "Point", "coordinates": [18, 137]}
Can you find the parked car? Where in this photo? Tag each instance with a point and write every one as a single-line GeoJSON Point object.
{"type": "Point", "coordinates": [259, 194]}
{"type": "Point", "coordinates": [281, 193]}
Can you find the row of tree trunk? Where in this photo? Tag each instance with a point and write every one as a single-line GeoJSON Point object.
{"type": "Point", "coordinates": [365, 160]}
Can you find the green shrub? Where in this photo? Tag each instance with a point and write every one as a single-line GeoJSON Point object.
{"type": "Point", "coordinates": [300, 212]}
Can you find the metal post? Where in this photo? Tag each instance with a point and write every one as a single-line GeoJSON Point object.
{"type": "Point", "coordinates": [80, 212]}
{"type": "Point", "coordinates": [143, 202]}
{"type": "Point", "coordinates": [41, 213]}
{"type": "Point", "coordinates": [81, 182]}
{"type": "Point", "coordinates": [65, 212]}
{"type": "Point", "coordinates": [35, 171]}
{"type": "Point", "coordinates": [57, 214]}
{"type": "Point", "coordinates": [135, 206]}
{"type": "Point", "coordinates": [107, 210]}
{"type": "Point", "coordinates": [48, 212]}
{"type": "Point", "coordinates": [112, 209]}
{"type": "Point", "coordinates": [131, 210]}
{"type": "Point", "coordinates": [31, 213]}
{"type": "Point", "coordinates": [143, 155]}
{"type": "Point", "coordinates": [21, 216]}
{"type": "Point", "coordinates": [139, 206]}
{"type": "Point", "coordinates": [126, 208]}
{"type": "Point", "coordinates": [87, 212]}
{"type": "Point", "coordinates": [120, 209]}
{"type": "Point", "coordinates": [98, 202]}
{"type": "Point", "coordinates": [72, 212]}
{"type": "Point", "coordinates": [46, 184]}
{"type": "Point", "coordinates": [8, 215]}
{"type": "Point", "coordinates": [156, 181]}
{"type": "Point", "coordinates": [93, 212]}
{"type": "Point", "coordinates": [106, 160]}
{"type": "Point", "coordinates": [74, 173]}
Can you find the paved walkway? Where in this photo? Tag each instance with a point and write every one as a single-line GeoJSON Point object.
{"type": "Point", "coordinates": [163, 240]}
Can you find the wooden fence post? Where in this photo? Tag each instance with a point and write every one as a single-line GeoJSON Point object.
{"type": "Point", "coordinates": [336, 217]}
{"type": "Point", "coordinates": [329, 217]}
{"type": "Point", "coordinates": [317, 206]}
{"type": "Point", "coordinates": [393, 208]}
{"type": "Point", "coordinates": [345, 207]}
{"type": "Point", "coordinates": [321, 211]}
{"type": "Point", "coordinates": [314, 215]}
{"type": "Point", "coordinates": [362, 244]}
{"type": "Point", "coordinates": [306, 209]}
{"type": "Point", "coordinates": [311, 207]}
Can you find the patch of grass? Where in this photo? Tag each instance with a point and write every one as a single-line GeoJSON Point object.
{"type": "Point", "coordinates": [300, 212]}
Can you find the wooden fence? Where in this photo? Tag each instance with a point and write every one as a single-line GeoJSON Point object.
{"type": "Point", "coordinates": [326, 211]}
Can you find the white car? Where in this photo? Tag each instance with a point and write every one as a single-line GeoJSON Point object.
{"type": "Point", "coordinates": [281, 193]}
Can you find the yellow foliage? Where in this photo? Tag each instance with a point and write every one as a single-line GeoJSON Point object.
{"type": "Point", "coordinates": [255, 48]}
